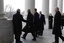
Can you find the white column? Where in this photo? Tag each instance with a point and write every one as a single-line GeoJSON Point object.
{"type": "Point", "coordinates": [6, 31]}
{"type": "Point", "coordinates": [53, 5]}
{"type": "Point", "coordinates": [60, 5]}
{"type": "Point", "coordinates": [6, 27]}
{"type": "Point", "coordinates": [30, 4]}
{"type": "Point", "coordinates": [1, 6]}
{"type": "Point", "coordinates": [45, 7]}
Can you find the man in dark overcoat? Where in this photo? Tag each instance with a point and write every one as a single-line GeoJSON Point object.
{"type": "Point", "coordinates": [29, 28]}
{"type": "Point", "coordinates": [36, 21]}
{"type": "Point", "coordinates": [57, 26]}
{"type": "Point", "coordinates": [41, 23]}
{"type": "Point", "coordinates": [17, 25]}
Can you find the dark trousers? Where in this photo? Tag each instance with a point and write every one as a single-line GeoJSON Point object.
{"type": "Point", "coordinates": [36, 30]}
{"type": "Point", "coordinates": [50, 24]}
{"type": "Point", "coordinates": [62, 27]}
{"type": "Point", "coordinates": [36, 33]}
{"type": "Point", "coordinates": [41, 32]}
{"type": "Point", "coordinates": [17, 37]}
{"type": "Point", "coordinates": [33, 34]}
{"type": "Point", "coordinates": [57, 38]}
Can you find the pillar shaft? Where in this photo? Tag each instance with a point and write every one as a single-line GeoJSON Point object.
{"type": "Point", "coordinates": [1, 9]}
{"type": "Point", "coordinates": [60, 5]}
{"type": "Point", "coordinates": [30, 4]}
{"type": "Point", "coordinates": [53, 5]}
{"type": "Point", "coordinates": [45, 7]}
{"type": "Point", "coordinates": [1, 6]}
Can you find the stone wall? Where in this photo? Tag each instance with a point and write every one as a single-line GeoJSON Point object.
{"type": "Point", "coordinates": [6, 31]}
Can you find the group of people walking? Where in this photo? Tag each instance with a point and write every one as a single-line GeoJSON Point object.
{"type": "Point", "coordinates": [35, 25]}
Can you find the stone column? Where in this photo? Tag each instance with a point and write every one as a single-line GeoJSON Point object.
{"type": "Point", "coordinates": [30, 4]}
{"type": "Point", "coordinates": [6, 27]}
{"type": "Point", "coordinates": [45, 7]}
{"type": "Point", "coordinates": [1, 8]}
{"type": "Point", "coordinates": [6, 31]}
{"type": "Point", "coordinates": [60, 5]}
{"type": "Point", "coordinates": [53, 5]}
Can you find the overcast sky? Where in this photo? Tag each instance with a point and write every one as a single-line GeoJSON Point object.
{"type": "Point", "coordinates": [15, 4]}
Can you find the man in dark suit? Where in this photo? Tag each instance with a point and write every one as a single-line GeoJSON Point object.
{"type": "Point", "coordinates": [17, 24]}
{"type": "Point", "coordinates": [36, 21]}
{"type": "Point", "coordinates": [57, 26]}
{"type": "Point", "coordinates": [50, 21]}
{"type": "Point", "coordinates": [41, 23]}
{"type": "Point", "coordinates": [29, 26]}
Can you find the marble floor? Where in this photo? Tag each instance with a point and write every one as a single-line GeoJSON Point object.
{"type": "Point", "coordinates": [47, 37]}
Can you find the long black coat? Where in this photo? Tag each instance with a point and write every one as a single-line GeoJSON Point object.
{"type": "Point", "coordinates": [29, 25]}
{"type": "Point", "coordinates": [62, 20]}
{"type": "Point", "coordinates": [36, 21]}
{"type": "Point", "coordinates": [17, 23]}
{"type": "Point", "coordinates": [57, 24]}
{"type": "Point", "coordinates": [50, 18]}
{"type": "Point", "coordinates": [50, 21]}
{"type": "Point", "coordinates": [41, 22]}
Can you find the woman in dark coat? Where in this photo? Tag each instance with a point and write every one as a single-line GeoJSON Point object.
{"type": "Point", "coordinates": [57, 26]}
{"type": "Point", "coordinates": [17, 24]}
{"type": "Point", "coordinates": [29, 26]}
{"type": "Point", "coordinates": [50, 21]}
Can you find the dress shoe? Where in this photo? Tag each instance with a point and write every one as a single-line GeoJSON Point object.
{"type": "Point", "coordinates": [20, 41]}
{"type": "Point", "coordinates": [34, 39]}
{"type": "Point", "coordinates": [54, 42]}
{"type": "Point", "coordinates": [24, 38]}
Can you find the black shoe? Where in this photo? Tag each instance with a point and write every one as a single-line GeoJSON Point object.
{"type": "Point", "coordinates": [24, 38]}
{"type": "Point", "coordinates": [20, 41]}
{"type": "Point", "coordinates": [54, 42]}
{"type": "Point", "coordinates": [34, 39]}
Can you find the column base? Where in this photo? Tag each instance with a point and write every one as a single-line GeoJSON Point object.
{"type": "Point", "coordinates": [6, 31]}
